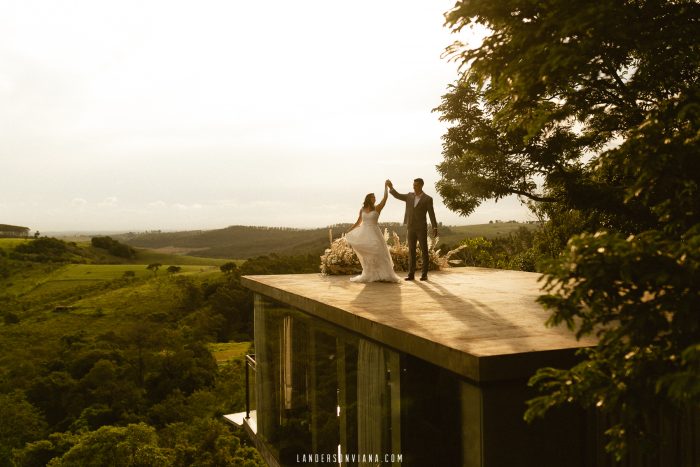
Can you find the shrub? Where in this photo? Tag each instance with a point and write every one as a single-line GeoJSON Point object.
{"type": "Point", "coordinates": [114, 247]}
{"type": "Point", "coordinates": [43, 250]}
{"type": "Point", "coordinates": [11, 318]}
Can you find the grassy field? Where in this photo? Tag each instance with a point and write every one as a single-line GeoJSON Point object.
{"type": "Point", "coordinates": [147, 256]}
{"type": "Point", "coordinates": [93, 309]}
{"type": "Point", "coordinates": [56, 281]}
{"type": "Point", "coordinates": [71, 277]}
{"type": "Point", "coordinates": [113, 271]}
{"type": "Point", "coordinates": [223, 352]}
{"type": "Point", "coordinates": [10, 243]}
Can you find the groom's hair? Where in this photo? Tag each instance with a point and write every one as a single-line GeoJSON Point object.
{"type": "Point", "coordinates": [419, 180]}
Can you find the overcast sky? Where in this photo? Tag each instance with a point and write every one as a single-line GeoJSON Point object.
{"type": "Point", "coordinates": [136, 115]}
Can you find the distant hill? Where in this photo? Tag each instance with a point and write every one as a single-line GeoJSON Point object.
{"type": "Point", "coordinates": [239, 242]}
{"type": "Point", "coordinates": [242, 242]}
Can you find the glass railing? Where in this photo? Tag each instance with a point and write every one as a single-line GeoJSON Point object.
{"type": "Point", "coordinates": [250, 370]}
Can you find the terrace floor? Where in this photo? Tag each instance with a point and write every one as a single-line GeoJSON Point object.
{"type": "Point", "coordinates": [483, 324]}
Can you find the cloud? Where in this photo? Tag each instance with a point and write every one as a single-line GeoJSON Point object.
{"type": "Point", "coordinates": [187, 207]}
{"type": "Point", "coordinates": [110, 201]}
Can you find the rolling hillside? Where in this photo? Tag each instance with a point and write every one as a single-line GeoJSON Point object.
{"type": "Point", "coordinates": [247, 242]}
{"type": "Point", "coordinates": [94, 344]}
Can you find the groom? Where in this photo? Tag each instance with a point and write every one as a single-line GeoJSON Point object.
{"type": "Point", "coordinates": [417, 205]}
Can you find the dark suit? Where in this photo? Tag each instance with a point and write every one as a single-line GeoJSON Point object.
{"type": "Point", "coordinates": [417, 227]}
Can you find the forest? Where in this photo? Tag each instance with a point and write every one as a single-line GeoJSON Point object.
{"type": "Point", "coordinates": [104, 361]}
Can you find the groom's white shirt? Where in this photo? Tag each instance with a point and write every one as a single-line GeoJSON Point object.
{"type": "Point", "coordinates": [416, 199]}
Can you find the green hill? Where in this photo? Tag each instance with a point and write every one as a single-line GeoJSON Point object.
{"type": "Point", "coordinates": [87, 349]}
{"type": "Point", "coordinates": [248, 242]}
{"type": "Point", "coordinates": [235, 241]}
{"type": "Point", "coordinates": [455, 234]}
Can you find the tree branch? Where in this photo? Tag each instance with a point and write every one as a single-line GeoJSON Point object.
{"type": "Point", "coordinates": [629, 98]}
{"type": "Point", "coordinates": [544, 199]}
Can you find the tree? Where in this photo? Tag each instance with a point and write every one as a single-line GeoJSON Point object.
{"type": "Point", "coordinates": [228, 268]}
{"type": "Point", "coordinates": [40, 453]}
{"type": "Point", "coordinates": [174, 269]}
{"type": "Point", "coordinates": [551, 86]}
{"type": "Point", "coordinates": [154, 267]}
{"type": "Point", "coordinates": [133, 445]}
{"type": "Point", "coordinates": [592, 112]}
{"type": "Point", "coordinates": [114, 247]}
{"type": "Point", "coordinates": [208, 442]}
{"type": "Point", "coordinates": [20, 422]}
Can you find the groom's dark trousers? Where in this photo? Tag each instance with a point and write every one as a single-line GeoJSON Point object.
{"type": "Point", "coordinates": [420, 236]}
{"type": "Point", "coordinates": [417, 227]}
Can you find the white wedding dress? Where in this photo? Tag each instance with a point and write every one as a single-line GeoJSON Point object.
{"type": "Point", "coordinates": [372, 251]}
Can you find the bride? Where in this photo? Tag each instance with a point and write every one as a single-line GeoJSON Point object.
{"type": "Point", "coordinates": [367, 240]}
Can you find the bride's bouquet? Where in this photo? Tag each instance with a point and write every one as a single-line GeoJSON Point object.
{"type": "Point", "coordinates": [340, 259]}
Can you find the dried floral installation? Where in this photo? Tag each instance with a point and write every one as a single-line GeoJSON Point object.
{"type": "Point", "coordinates": [340, 259]}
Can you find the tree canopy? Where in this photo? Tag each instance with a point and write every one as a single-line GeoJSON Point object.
{"type": "Point", "coordinates": [591, 112]}
{"type": "Point", "coordinates": [552, 86]}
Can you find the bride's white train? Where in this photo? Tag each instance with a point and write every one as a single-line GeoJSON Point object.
{"type": "Point", "coordinates": [372, 251]}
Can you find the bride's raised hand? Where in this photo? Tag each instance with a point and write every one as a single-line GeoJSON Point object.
{"type": "Point", "coordinates": [380, 206]}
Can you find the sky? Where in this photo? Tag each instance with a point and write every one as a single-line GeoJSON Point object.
{"type": "Point", "coordinates": [174, 115]}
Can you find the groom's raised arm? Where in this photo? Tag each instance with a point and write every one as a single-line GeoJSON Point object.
{"type": "Point", "coordinates": [396, 194]}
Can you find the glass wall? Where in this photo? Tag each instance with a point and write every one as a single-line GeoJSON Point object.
{"type": "Point", "coordinates": [324, 391]}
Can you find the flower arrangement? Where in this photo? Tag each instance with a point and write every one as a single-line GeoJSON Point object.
{"type": "Point", "coordinates": [340, 259]}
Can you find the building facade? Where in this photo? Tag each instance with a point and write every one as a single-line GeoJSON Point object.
{"type": "Point", "coordinates": [13, 231]}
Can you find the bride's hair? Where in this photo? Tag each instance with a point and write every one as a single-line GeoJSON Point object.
{"type": "Point", "coordinates": [368, 201]}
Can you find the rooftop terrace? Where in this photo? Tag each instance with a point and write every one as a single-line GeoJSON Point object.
{"type": "Point", "coordinates": [483, 324]}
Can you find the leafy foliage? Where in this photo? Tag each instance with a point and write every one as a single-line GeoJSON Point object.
{"type": "Point", "coordinates": [552, 85]}
{"type": "Point", "coordinates": [592, 113]}
{"type": "Point", "coordinates": [133, 384]}
{"type": "Point", "coordinates": [133, 445]}
{"type": "Point", "coordinates": [642, 303]}
{"type": "Point", "coordinates": [517, 251]}
{"type": "Point", "coordinates": [114, 247]}
{"type": "Point", "coordinates": [44, 250]}
{"type": "Point", "coordinates": [228, 268]}
{"type": "Point", "coordinates": [20, 422]}
{"type": "Point", "coordinates": [276, 264]}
